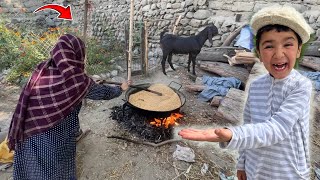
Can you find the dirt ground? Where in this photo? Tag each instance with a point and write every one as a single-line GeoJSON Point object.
{"type": "Point", "coordinates": [99, 157]}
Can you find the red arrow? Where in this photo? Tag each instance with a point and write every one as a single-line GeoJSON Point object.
{"type": "Point", "coordinates": [65, 12]}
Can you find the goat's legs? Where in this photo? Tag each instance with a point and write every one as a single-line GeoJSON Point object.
{"type": "Point", "coordinates": [170, 61]}
{"type": "Point", "coordinates": [163, 62]}
{"type": "Point", "coordinates": [193, 58]}
{"type": "Point", "coordinates": [189, 61]}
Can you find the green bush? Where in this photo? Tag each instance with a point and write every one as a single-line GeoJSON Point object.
{"type": "Point", "coordinates": [21, 52]}
{"type": "Point", "coordinates": [99, 56]}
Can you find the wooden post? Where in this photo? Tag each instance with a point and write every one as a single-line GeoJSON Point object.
{"type": "Point", "coordinates": [146, 62]}
{"type": "Point", "coordinates": [85, 27]}
{"type": "Point", "coordinates": [84, 36]}
{"type": "Point", "coordinates": [142, 47]}
{"type": "Point", "coordinates": [85, 19]}
{"type": "Point", "coordinates": [176, 24]}
{"type": "Point", "coordinates": [130, 39]}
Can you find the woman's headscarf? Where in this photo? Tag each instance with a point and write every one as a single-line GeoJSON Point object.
{"type": "Point", "coordinates": [55, 88]}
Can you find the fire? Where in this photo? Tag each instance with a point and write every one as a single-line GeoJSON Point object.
{"type": "Point", "coordinates": [168, 121]}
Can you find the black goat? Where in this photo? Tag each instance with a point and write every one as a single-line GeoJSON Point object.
{"type": "Point", "coordinates": [172, 44]}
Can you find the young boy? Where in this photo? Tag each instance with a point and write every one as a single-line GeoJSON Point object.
{"type": "Point", "coordinates": [273, 143]}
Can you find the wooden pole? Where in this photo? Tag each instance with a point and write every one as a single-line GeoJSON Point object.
{"type": "Point", "coordinates": [130, 39]}
{"type": "Point", "coordinates": [146, 47]}
{"type": "Point", "coordinates": [85, 18]}
{"type": "Point", "coordinates": [84, 36]}
{"type": "Point", "coordinates": [176, 24]}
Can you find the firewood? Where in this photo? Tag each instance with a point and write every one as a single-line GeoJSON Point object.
{"type": "Point", "coordinates": [194, 88]}
{"type": "Point", "coordinates": [313, 49]}
{"type": "Point", "coordinates": [311, 62]}
{"type": "Point", "coordinates": [215, 54]}
{"type": "Point", "coordinates": [241, 60]}
{"type": "Point", "coordinates": [244, 54]}
{"type": "Point", "coordinates": [246, 59]}
{"type": "Point", "coordinates": [146, 143]}
{"type": "Point", "coordinates": [231, 108]}
{"type": "Point", "coordinates": [216, 100]}
{"type": "Point", "coordinates": [225, 70]}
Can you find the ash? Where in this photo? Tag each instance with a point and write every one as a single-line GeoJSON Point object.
{"type": "Point", "coordinates": [138, 122]}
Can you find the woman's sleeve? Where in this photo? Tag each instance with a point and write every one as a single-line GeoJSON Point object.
{"type": "Point", "coordinates": [103, 92]}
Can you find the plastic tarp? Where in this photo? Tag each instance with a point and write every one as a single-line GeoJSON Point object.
{"type": "Point", "coordinates": [217, 86]}
{"type": "Point", "coordinates": [246, 38]}
{"type": "Point", "coordinates": [313, 76]}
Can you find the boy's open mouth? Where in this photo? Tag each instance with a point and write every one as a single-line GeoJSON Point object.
{"type": "Point", "coordinates": [280, 66]}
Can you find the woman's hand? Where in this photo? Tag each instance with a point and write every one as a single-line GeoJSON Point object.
{"type": "Point", "coordinates": [212, 135]}
{"type": "Point", "coordinates": [241, 175]}
{"type": "Point", "coordinates": [125, 85]}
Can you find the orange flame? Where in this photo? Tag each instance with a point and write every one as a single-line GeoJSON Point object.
{"type": "Point", "coordinates": [168, 121]}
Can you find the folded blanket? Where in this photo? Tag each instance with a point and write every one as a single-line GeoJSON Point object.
{"type": "Point", "coordinates": [314, 77]}
{"type": "Point", "coordinates": [217, 86]}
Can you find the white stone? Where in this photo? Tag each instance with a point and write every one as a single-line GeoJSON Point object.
{"type": "Point", "coordinates": [202, 2]}
{"type": "Point", "coordinates": [169, 6]}
{"type": "Point", "coordinates": [189, 2]}
{"type": "Point", "coordinates": [144, 2]}
{"type": "Point", "coordinates": [176, 5]}
{"type": "Point", "coordinates": [114, 73]}
{"type": "Point", "coordinates": [195, 23]}
{"type": "Point", "coordinates": [202, 14]}
{"type": "Point", "coordinates": [146, 8]}
{"type": "Point", "coordinates": [153, 7]}
{"type": "Point", "coordinates": [190, 15]}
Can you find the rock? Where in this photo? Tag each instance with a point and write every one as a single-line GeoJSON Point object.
{"type": "Point", "coordinates": [103, 76]}
{"type": "Point", "coordinates": [202, 14]}
{"type": "Point", "coordinates": [114, 73]}
{"type": "Point", "coordinates": [96, 77]}
{"type": "Point", "coordinates": [146, 8]}
{"type": "Point", "coordinates": [190, 15]}
{"type": "Point", "coordinates": [195, 23]}
{"type": "Point", "coordinates": [120, 68]}
{"type": "Point", "coordinates": [202, 2]}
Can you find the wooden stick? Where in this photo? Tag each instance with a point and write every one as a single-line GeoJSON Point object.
{"type": "Point", "coordinates": [176, 24]}
{"type": "Point", "coordinates": [85, 27]}
{"type": "Point", "coordinates": [146, 143]}
{"type": "Point", "coordinates": [146, 47]}
{"type": "Point", "coordinates": [83, 135]}
{"type": "Point", "coordinates": [130, 39]}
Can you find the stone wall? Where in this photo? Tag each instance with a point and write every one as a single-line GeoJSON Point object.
{"type": "Point", "coordinates": [227, 15]}
{"type": "Point", "coordinates": [110, 17]}
{"type": "Point", "coordinates": [20, 13]}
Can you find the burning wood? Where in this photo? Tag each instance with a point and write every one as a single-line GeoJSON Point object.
{"type": "Point", "coordinates": [168, 121]}
{"type": "Point", "coordinates": [139, 123]}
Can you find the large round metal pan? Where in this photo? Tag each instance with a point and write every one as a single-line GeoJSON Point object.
{"type": "Point", "coordinates": [147, 85]}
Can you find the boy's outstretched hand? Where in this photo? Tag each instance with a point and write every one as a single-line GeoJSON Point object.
{"type": "Point", "coordinates": [212, 135]}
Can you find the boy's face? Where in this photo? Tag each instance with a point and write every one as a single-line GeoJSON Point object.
{"type": "Point", "coordinates": [278, 51]}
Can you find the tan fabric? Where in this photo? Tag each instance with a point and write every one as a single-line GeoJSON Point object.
{"type": "Point", "coordinates": [149, 101]}
{"type": "Point", "coordinates": [6, 156]}
{"type": "Point", "coordinates": [282, 15]}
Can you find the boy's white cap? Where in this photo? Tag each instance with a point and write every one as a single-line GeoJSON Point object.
{"type": "Point", "coordinates": [282, 15]}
